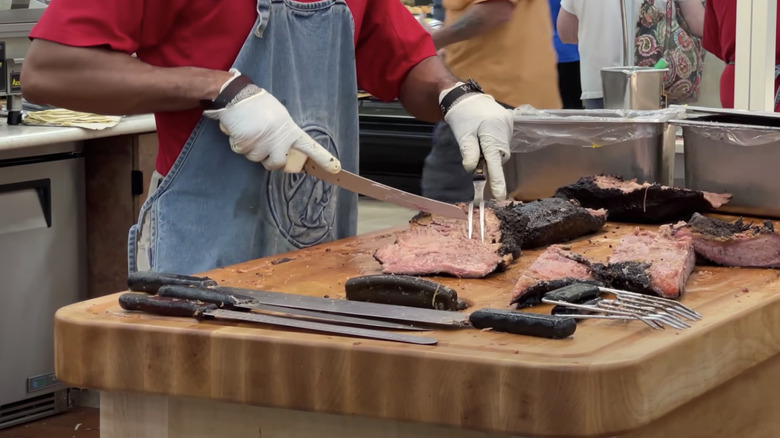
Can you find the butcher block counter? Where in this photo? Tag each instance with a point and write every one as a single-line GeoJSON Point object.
{"type": "Point", "coordinates": [176, 377]}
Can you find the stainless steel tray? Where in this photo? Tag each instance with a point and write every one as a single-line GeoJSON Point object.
{"type": "Point", "coordinates": [735, 152]}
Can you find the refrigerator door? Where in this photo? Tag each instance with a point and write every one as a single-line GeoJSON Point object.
{"type": "Point", "coordinates": [42, 267]}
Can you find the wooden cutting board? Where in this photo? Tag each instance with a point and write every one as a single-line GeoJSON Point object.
{"type": "Point", "coordinates": [610, 377]}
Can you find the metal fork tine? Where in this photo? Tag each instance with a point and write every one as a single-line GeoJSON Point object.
{"type": "Point", "coordinates": [471, 217]}
{"type": "Point", "coordinates": [664, 302]}
{"type": "Point", "coordinates": [672, 320]}
{"type": "Point", "coordinates": [479, 180]}
{"type": "Point", "coordinates": [647, 320]}
{"type": "Point", "coordinates": [482, 220]}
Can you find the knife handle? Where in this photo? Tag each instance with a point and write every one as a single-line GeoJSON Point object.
{"type": "Point", "coordinates": [524, 323]}
{"type": "Point", "coordinates": [401, 290]}
{"type": "Point", "coordinates": [295, 161]}
{"type": "Point", "coordinates": [221, 298]}
{"type": "Point", "coordinates": [151, 282]}
{"type": "Point", "coordinates": [574, 293]}
{"type": "Point", "coordinates": [165, 306]}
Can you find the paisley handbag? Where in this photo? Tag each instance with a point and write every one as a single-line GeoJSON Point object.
{"type": "Point", "coordinates": [665, 35]}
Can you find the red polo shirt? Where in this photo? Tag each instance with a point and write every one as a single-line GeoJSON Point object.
{"type": "Point", "coordinates": [210, 33]}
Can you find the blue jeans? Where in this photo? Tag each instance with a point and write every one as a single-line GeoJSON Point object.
{"type": "Point", "coordinates": [443, 176]}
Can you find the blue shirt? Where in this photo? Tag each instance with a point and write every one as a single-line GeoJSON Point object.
{"type": "Point", "coordinates": [438, 10]}
{"type": "Point", "coordinates": [566, 52]}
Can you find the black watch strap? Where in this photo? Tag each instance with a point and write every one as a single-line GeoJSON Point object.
{"type": "Point", "coordinates": [457, 93]}
{"type": "Point", "coordinates": [228, 94]}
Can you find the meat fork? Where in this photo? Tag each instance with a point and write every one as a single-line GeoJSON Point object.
{"type": "Point", "coordinates": [480, 179]}
{"type": "Point", "coordinates": [653, 311]}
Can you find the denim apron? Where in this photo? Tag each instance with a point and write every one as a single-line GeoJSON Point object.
{"type": "Point", "coordinates": [215, 207]}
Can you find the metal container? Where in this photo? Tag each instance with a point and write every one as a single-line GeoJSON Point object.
{"type": "Point", "coordinates": [738, 153]}
{"type": "Point", "coordinates": [638, 88]}
{"type": "Point", "coordinates": [562, 146]}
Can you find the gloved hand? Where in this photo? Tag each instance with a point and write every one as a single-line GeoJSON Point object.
{"type": "Point", "coordinates": [261, 129]}
{"type": "Point", "coordinates": [479, 123]}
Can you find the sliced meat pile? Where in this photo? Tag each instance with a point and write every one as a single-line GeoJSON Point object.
{"type": "Point", "coordinates": [556, 220]}
{"type": "Point", "coordinates": [645, 262]}
{"type": "Point", "coordinates": [651, 262]}
{"type": "Point", "coordinates": [437, 245]}
{"type": "Point", "coordinates": [630, 201]}
{"type": "Point", "coordinates": [553, 269]}
{"type": "Point", "coordinates": [732, 244]}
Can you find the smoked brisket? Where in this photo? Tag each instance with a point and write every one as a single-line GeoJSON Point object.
{"type": "Point", "coordinates": [438, 245]}
{"type": "Point", "coordinates": [732, 243]}
{"type": "Point", "coordinates": [556, 220]}
{"type": "Point", "coordinates": [630, 201]}
{"type": "Point", "coordinates": [553, 269]}
{"type": "Point", "coordinates": [644, 261]}
{"type": "Point", "coordinates": [652, 263]}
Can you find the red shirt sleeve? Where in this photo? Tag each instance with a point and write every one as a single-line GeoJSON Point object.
{"type": "Point", "coordinates": [85, 23]}
{"type": "Point", "coordinates": [390, 43]}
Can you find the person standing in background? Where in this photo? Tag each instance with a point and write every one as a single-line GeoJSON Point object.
{"type": "Point", "coordinates": [568, 64]}
{"type": "Point", "coordinates": [506, 47]}
{"type": "Point", "coordinates": [595, 27]}
{"type": "Point", "coordinates": [720, 36]}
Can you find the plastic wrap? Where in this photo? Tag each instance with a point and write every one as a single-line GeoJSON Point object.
{"type": "Point", "coordinates": [535, 129]}
{"type": "Point", "coordinates": [734, 135]}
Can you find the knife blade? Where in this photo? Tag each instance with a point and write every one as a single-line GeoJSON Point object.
{"type": "Point", "coordinates": [228, 301]}
{"type": "Point", "coordinates": [165, 306]}
{"type": "Point", "coordinates": [152, 282]}
{"type": "Point", "coordinates": [372, 189]}
{"type": "Point", "coordinates": [411, 315]}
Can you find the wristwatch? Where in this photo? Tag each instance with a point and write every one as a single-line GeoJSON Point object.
{"type": "Point", "coordinates": [458, 93]}
{"type": "Point", "coordinates": [228, 94]}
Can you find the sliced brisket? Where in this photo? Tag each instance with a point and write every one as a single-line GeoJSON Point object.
{"type": "Point", "coordinates": [651, 262]}
{"type": "Point", "coordinates": [437, 245]}
{"type": "Point", "coordinates": [553, 269]}
{"type": "Point", "coordinates": [630, 201]}
{"type": "Point", "coordinates": [644, 262]}
{"type": "Point", "coordinates": [732, 244]}
{"type": "Point", "coordinates": [557, 220]}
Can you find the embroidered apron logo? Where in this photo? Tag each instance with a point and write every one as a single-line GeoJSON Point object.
{"type": "Point", "coordinates": [303, 206]}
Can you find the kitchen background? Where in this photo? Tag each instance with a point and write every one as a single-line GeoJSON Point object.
{"type": "Point", "coordinates": [65, 243]}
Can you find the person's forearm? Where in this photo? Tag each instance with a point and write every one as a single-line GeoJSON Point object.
{"type": "Point", "coordinates": [693, 14]}
{"type": "Point", "coordinates": [106, 82]}
{"type": "Point", "coordinates": [420, 91]}
{"type": "Point", "coordinates": [478, 19]}
{"type": "Point", "coordinates": [568, 26]}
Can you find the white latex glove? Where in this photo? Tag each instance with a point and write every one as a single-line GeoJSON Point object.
{"type": "Point", "coordinates": [478, 121]}
{"type": "Point", "coordinates": [261, 129]}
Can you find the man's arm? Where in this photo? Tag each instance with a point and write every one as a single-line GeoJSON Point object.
{"type": "Point", "coordinates": [420, 90]}
{"type": "Point", "coordinates": [102, 81]}
{"type": "Point", "coordinates": [693, 13]}
{"type": "Point", "coordinates": [568, 26]}
{"type": "Point", "coordinates": [478, 19]}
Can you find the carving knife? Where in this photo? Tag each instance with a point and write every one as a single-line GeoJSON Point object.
{"type": "Point", "coordinates": [152, 282]}
{"type": "Point", "coordinates": [366, 187]}
{"type": "Point", "coordinates": [165, 306]}
{"type": "Point", "coordinates": [411, 315]}
{"type": "Point", "coordinates": [230, 301]}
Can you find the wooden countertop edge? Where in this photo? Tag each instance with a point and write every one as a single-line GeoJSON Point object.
{"type": "Point", "coordinates": [628, 411]}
